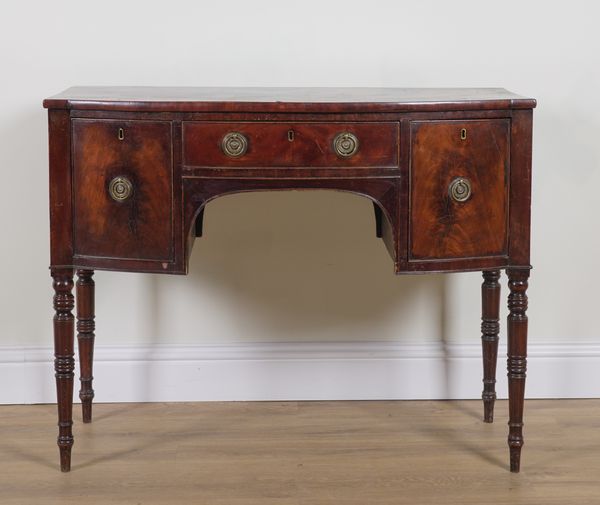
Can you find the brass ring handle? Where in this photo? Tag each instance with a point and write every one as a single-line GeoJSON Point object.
{"type": "Point", "coordinates": [345, 144]}
{"type": "Point", "coordinates": [120, 188]}
{"type": "Point", "coordinates": [460, 189]}
{"type": "Point", "coordinates": [234, 144]}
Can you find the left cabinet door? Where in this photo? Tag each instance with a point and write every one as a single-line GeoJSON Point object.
{"type": "Point", "coordinates": [123, 189]}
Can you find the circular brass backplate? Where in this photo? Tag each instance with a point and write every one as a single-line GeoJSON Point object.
{"type": "Point", "coordinates": [460, 189]}
{"type": "Point", "coordinates": [120, 188]}
{"type": "Point", "coordinates": [345, 144]}
{"type": "Point", "coordinates": [234, 144]}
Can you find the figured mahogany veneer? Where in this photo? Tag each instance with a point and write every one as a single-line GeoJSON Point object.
{"type": "Point", "coordinates": [139, 227]}
{"type": "Point", "coordinates": [132, 170]}
{"type": "Point", "coordinates": [297, 144]}
{"type": "Point", "coordinates": [439, 226]}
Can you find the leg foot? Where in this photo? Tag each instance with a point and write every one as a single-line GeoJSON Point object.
{"type": "Point", "coordinates": [64, 446]}
{"type": "Point", "coordinates": [64, 362]}
{"type": "Point", "coordinates": [85, 339]}
{"type": "Point", "coordinates": [490, 328]}
{"type": "Point", "coordinates": [517, 360]}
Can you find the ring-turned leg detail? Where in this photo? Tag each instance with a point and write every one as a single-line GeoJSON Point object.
{"type": "Point", "coordinates": [490, 329]}
{"type": "Point", "coordinates": [85, 339]}
{"type": "Point", "coordinates": [517, 360]}
{"type": "Point", "coordinates": [64, 363]}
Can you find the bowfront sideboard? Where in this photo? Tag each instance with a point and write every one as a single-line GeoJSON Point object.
{"type": "Point", "coordinates": [132, 170]}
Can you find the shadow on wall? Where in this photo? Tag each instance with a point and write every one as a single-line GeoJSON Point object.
{"type": "Point", "coordinates": [305, 266]}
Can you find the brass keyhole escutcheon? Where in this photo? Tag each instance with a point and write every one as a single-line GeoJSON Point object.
{"type": "Point", "coordinates": [463, 134]}
{"type": "Point", "coordinates": [460, 189]}
{"type": "Point", "coordinates": [120, 189]}
{"type": "Point", "coordinates": [345, 144]}
{"type": "Point", "coordinates": [234, 144]}
{"type": "Point", "coordinates": [121, 134]}
{"type": "Point", "coordinates": [291, 135]}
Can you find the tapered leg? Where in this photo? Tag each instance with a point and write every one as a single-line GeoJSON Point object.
{"type": "Point", "coordinates": [490, 328]}
{"type": "Point", "coordinates": [85, 339]}
{"type": "Point", "coordinates": [64, 362]}
{"type": "Point", "coordinates": [517, 360]}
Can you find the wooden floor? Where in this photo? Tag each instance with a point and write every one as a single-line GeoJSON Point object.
{"type": "Point", "coordinates": [302, 453]}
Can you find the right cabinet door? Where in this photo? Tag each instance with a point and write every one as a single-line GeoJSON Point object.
{"type": "Point", "coordinates": [459, 173]}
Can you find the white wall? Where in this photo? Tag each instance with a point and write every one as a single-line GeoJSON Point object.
{"type": "Point", "coordinates": [305, 267]}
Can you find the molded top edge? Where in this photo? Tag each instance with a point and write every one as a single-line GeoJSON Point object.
{"type": "Point", "coordinates": [252, 99]}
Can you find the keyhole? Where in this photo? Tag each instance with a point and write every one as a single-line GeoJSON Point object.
{"type": "Point", "coordinates": [121, 134]}
{"type": "Point", "coordinates": [291, 135]}
{"type": "Point", "coordinates": [463, 134]}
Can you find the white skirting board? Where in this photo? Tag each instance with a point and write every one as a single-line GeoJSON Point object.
{"type": "Point", "coordinates": [300, 371]}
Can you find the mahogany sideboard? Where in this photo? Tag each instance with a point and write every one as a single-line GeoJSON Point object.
{"type": "Point", "coordinates": [132, 169]}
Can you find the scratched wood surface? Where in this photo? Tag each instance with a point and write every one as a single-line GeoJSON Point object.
{"type": "Point", "coordinates": [303, 453]}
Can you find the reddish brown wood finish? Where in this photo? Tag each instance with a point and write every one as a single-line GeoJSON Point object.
{"type": "Point", "coordinates": [85, 339]}
{"type": "Point", "coordinates": [289, 100]}
{"type": "Point", "coordinates": [382, 190]}
{"type": "Point", "coordinates": [490, 329]}
{"type": "Point", "coordinates": [441, 227]}
{"type": "Point", "coordinates": [517, 360]}
{"type": "Point", "coordinates": [410, 150]}
{"type": "Point", "coordinates": [520, 187]}
{"type": "Point", "coordinates": [64, 363]}
{"type": "Point", "coordinates": [294, 144]}
{"type": "Point", "coordinates": [61, 205]}
{"type": "Point", "coordinates": [141, 226]}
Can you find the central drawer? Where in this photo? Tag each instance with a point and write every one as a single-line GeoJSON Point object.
{"type": "Point", "coordinates": [291, 144]}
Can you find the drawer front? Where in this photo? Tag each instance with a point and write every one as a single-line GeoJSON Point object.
{"type": "Point", "coordinates": [123, 180]}
{"type": "Point", "coordinates": [459, 172]}
{"type": "Point", "coordinates": [269, 144]}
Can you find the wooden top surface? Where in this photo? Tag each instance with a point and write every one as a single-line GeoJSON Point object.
{"type": "Point", "coordinates": [248, 99]}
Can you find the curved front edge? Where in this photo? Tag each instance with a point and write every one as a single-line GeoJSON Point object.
{"type": "Point", "coordinates": [384, 192]}
{"type": "Point", "coordinates": [485, 225]}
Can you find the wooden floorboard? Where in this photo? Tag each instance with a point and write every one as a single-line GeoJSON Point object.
{"type": "Point", "coordinates": [302, 453]}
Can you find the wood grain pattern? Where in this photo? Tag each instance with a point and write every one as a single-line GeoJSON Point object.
{"type": "Point", "coordinates": [248, 99]}
{"type": "Point", "coordinates": [383, 191]}
{"type": "Point", "coordinates": [490, 329]}
{"type": "Point", "coordinates": [517, 360]}
{"type": "Point", "coordinates": [141, 226]}
{"type": "Point", "coordinates": [64, 363]}
{"type": "Point", "coordinates": [520, 187]}
{"type": "Point", "coordinates": [439, 226]}
{"type": "Point", "coordinates": [269, 145]}
{"type": "Point", "coordinates": [166, 143]}
{"type": "Point", "coordinates": [86, 326]}
{"type": "Point", "coordinates": [60, 188]}
{"type": "Point", "coordinates": [356, 453]}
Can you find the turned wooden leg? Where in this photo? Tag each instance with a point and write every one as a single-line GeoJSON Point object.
{"type": "Point", "coordinates": [85, 339]}
{"type": "Point", "coordinates": [64, 362]}
{"type": "Point", "coordinates": [517, 360]}
{"type": "Point", "coordinates": [490, 328]}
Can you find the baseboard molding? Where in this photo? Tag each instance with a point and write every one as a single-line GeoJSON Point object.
{"type": "Point", "coordinates": [300, 371]}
